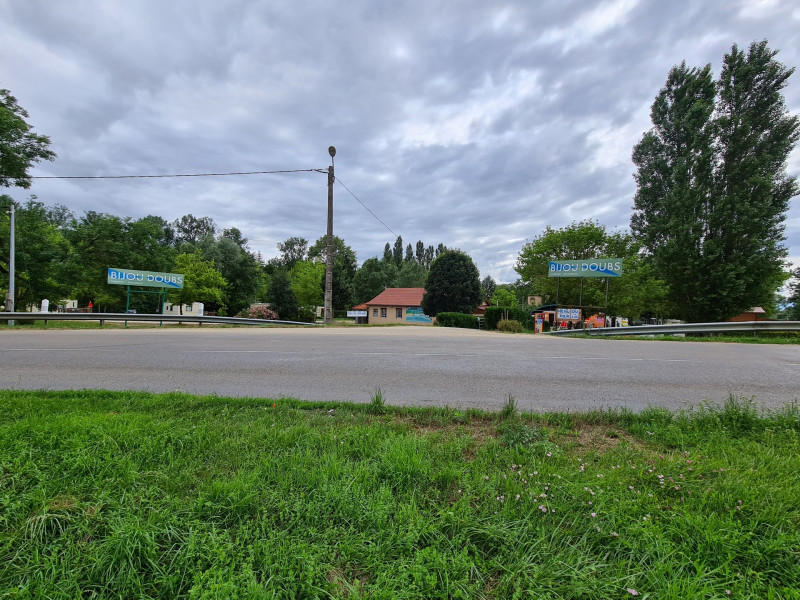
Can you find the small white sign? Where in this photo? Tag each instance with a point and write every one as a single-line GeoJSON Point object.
{"type": "Point", "coordinates": [569, 314]}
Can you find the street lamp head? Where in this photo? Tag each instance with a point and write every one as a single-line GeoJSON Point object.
{"type": "Point", "coordinates": [332, 151]}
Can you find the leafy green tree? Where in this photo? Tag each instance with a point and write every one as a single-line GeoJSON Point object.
{"type": "Point", "coordinates": [411, 275]}
{"type": "Point", "coordinates": [281, 297]}
{"type": "Point", "coordinates": [419, 253]}
{"type": "Point", "coordinates": [579, 240]}
{"type": "Point", "coordinates": [453, 285]}
{"type": "Point", "coordinates": [20, 147]}
{"type": "Point", "coordinates": [429, 256]}
{"type": "Point", "coordinates": [503, 297]}
{"type": "Point", "coordinates": [397, 251]}
{"type": "Point", "coordinates": [372, 278]}
{"type": "Point", "coordinates": [387, 252]}
{"type": "Point", "coordinates": [639, 291]}
{"type": "Point", "coordinates": [151, 243]}
{"type": "Point", "coordinates": [98, 241]}
{"type": "Point", "coordinates": [794, 296]}
{"type": "Point", "coordinates": [305, 279]}
{"type": "Point", "coordinates": [40, 250]}
{"type": "Point", "coordinates": [193, 229]}
{"type": "Point", "coordinates": [237, 265]}
{"type": "Point", "coordinates": [488, 285]}
{"type": "Point", "coordinates": [345, 265]}
{"type": "Point", "coordinates": [292, 250]}
{"type": "Point", "coordinates": [201, 281]}
{"type": "Point", "coordinates": [712, 188]}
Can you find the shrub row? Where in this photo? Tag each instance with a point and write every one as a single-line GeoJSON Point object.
{"type": "Point", "coordinates": [494, 314]}
{"type": "Point", "coordinates": [509, 326]}
{"type": "Point", "coordinates": [454, 319]}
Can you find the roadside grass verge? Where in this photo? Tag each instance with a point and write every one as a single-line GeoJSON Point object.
{"type": "Point", "coordinates": [136, 495]}
{"type": "Point", "coordinates": [761, 337]}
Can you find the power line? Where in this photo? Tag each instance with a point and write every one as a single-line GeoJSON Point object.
{"type": "Point", "coordinates": [179, 175]}
{"type": "Point", "coordinates": [324, 171]}
{"type": "Point", "coordinates": [367, 207]}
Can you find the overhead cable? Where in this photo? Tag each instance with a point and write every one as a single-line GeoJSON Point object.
{"type": "Point", "coordinates": [179, 175]}
{"type": "Point", "coordinates": [367, 207]}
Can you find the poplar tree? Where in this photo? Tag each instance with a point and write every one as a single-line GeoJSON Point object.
{"type": "Point", "coordinates": [712, 188]}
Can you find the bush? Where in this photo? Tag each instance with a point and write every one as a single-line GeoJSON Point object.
{"type": "Point", "coordinates": [307, 315]}
{"type": "Point", "coordinates": [494, 314]}
{"type": "Point", "coordinates": [260, 312]}
{"type": "Point", "coordinates": [454, 319]}
{"type": "Point", "coordinates": [509, 326]}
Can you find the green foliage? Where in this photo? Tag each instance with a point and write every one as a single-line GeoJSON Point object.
{"type": "Point", "coordinates": [509, 326]}
{"type": "Point", "coordinates": [503, 297]}
{"type": "Point", "coordinates": [455, 319]}
{"type": "Point", "coordinates": [20, 148]}
{"type": "Point", "coordinates": [453, 284]}
{"type": "Point", "coordinates": [712, 189]}
{"type": "Point", "coordinates": [509, 410]}
{"type": "Point", "coordinates": [193, 230]}
{"type": "Point", "coordinates": [128, 495]}
{"type": "Point", "coordinates": [377, 404]}
{"type": "Point", "coordinates": [488, 286]}
{"type": "Point", "coordinates": [397, 251]}
{"type": "Point", "coordinates": [281, 297]}
{"type": "Point", "coordinates": [292, 250]}
{"type": "Point", "coordinates": [345, 265]}
{"type": "Point", "coordinates": [516, 433]}
{"type": "Point", "coordinates": [372, 278]}
{"type": "Point", "coordinates": [411, 275]}
{"type": "Point", "coordinates": [306, 277]}
{"type": "Point", "coordinates": [794, 296]}
{"type": "Point", "coordinates": [237, 265]}
{"type": "Point", "coordinates": [495, 314]}
{"type": "Point", "coordinates": [639, 291]}
{"type": "Point", "coordinates": [97, 242]}
{"type": "Point", "coordinates": [201, 282]}
{"type": "Point", "coordinates": [41, 250]}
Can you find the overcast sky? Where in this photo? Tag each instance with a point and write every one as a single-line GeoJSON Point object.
{"type": "Point", "coordinates": [471, 123]}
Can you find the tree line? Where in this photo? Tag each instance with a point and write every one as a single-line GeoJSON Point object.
{"type": "Point", "coordinates": [62, 256]}
{"type": "Point", "coordinates": [706, 237]}
{"type": "Point", "coordinates": [712, 191]}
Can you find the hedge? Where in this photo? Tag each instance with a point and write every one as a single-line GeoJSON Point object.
{"type": "Point", "coordinates": [454, 319]}
{"type": "Point", "coordinates": [494, 314]}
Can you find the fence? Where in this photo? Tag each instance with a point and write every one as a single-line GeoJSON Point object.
{"type": "Point", "coordinates": [743, 327]}
{"type": "Point", "coordinates": [103, 317]}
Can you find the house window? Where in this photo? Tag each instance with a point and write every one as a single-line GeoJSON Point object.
{"type": "Point", "coordinates": [398, 313]}
{"type": "Point", "coordinates": [374, 312]}
{"type": "Point", "coordinates": [383, 313]}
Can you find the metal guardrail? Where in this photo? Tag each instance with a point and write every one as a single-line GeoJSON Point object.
{"type": "Point", "coordinates": [741, 327]}
{"type": "Point", "coordinates": [103, 317]}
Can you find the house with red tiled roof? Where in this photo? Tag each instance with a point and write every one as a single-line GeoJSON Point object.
{"type": "Point", "coordinates": [398, 305]}
{"type": "Point", "coordinates": [754, 314]}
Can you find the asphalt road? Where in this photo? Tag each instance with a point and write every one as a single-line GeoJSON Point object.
{"type": "Point", "coordinates": [418, 366]}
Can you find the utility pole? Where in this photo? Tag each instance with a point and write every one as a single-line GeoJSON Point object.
{"type": "Point", "coordinates": [329, 247]}
{"type": "Point", "coordinates": [10, 298]}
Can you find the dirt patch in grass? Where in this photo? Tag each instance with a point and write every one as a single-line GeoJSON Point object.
{"type": "Point", "coordinates": [599, 438]}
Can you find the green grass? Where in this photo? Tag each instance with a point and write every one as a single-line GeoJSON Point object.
{"type": "Point", "coordinates": [133, 495]}
{"type": "Point", "coordinates": [761, 337]}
